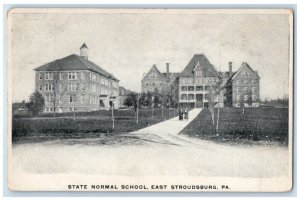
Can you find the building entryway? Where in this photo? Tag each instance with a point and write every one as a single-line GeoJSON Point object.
{"type": "Point", "coordinates": [199, 100]}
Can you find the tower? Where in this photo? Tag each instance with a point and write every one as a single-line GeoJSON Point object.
{"type": "Point", "coordinates": [84, 51]}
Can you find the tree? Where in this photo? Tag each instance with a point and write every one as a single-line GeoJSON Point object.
{"type": "Point", "coordinates": [36, 103]}
{"type": "Point", "coordinates": [249, 98]}
{"type": "Point", "coordinates": [211, 103]}
{"type": "Point", "coordinates": [59, 89]}
{"type": "Point", "coordinates": [242, 103]}
{"type": "Point", "coordinates": [130, 100]}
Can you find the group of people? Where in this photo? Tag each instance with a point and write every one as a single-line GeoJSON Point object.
{"type": "Point", "coordinates": [183, 114]}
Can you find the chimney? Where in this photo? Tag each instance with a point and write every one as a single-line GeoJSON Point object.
{"type": "Point", "coordinates": [230, 67]}
{"type": "Point", "coordinates": [168, 70]}
{"type": "Point", "coordinates": [84, 51]}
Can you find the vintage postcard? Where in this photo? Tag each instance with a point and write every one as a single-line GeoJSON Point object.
{"type": "Point", "coordinates": [188, 100]}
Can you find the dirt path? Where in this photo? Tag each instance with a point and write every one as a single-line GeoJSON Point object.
{"type": "Point", "coordinates": [170, 129]}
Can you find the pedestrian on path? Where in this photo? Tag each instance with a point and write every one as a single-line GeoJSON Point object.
{"type": "Point", "coordinates": [186, 114]}
{"type": "Point", "coordinates": [180, 115]}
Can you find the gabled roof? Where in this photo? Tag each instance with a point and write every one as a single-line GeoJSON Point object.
{"type": "Point", "coordinates": [199, 59]}
{"type": "Point", "coordinates": [154, 67]}
{"type": "Point", "coordinates": [244, 65]}
{"type": "Point", "coordinates": [84, 46]}
{"type": "Point", "coordinates": [74, 62]}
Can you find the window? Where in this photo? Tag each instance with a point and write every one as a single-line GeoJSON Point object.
{"type": "Point", "coordinates": [73, 86]}
{"type": "Point", "coordinates": [199, 88]}
{"type": "Point", "coordinates": [183, 96]}
{"type": "Point", "coordinates": [237, 82]}
{"type": "Point", "coordinates": [81, 99]}
{"type": "Point", "coordinates": [146, 84]}
{"type": "Point", "coordinates": [245, 97]}
{"type": "Point", "coordinates": [49, 98]}
{"type": "Point", "coordinates": [191, 88]}
{"type": "Point", "coordinates": [199, 73]}
{"type": "Point", "coordinates": [93, 88]}
{"type": "Point", "coordinates": [40, 87]}
{"type": "Point", "coordinates": [60, 75]}
{"type": "Point", "coordinates": [246, 81]}
{"type": "Point", "coordinates": [40, 76]}
{"type": "Point", "coordinates": [152, 76]}
{"type": "Point", "coordinates": [83, 87]}
{"type": "Point", "coordinates": [93, 77]}
{"type": "Point", "coordinates": [206, 96]}
{"type": "Point", "coordinates": [49, 87]}
{"type": "Point", "coordinates": [183, 88]}
{"type": "Point", "coordinates": [72, 75]}
{"type": "Point", "coordinates": [238, 97]}
{"type": "Point", "coordinates": [245, 89]}
{"type": "Point", "coordinates": [253, 81]}
{"type": "Point", "coordinates": [254, 97]}
{"type": "Point", "coordinates": [153, 84]}
{"type": "Point", "coordinates": [72, 99]}
{"type": "Point", "coordinates": [253, 90]}
{"type": "Point", "coordinates": [191, 96]}
{"type": "Point", "coordinates": [237, 90]}
{"type": "Point", "coordinates": [48, 76]}
{"type": "Point", "coordinates": [207, 88]}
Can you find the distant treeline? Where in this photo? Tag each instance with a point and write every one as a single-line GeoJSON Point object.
{"type": "Point", "coordinates": [279, 102]}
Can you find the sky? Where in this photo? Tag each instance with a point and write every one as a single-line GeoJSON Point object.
{"type": "Point", "coordinates": [127, 44]}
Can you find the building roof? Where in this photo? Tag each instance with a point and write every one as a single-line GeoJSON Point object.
{"type": "Point", "coordinates": [74, 62]}
{"type": "Point", "coordinates": [171, 75]}
{"type": "Point", "coordinates": [244, 65]}
{"type": "Point", "coordinates": [199, 59]}
{"type": "Point", "coordinates": [154, 67]}
{"type": "Point", "coordinates": [84, 46]}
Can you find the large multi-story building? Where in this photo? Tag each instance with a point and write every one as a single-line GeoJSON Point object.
{"type": "Point", "coordinates": [194, 86]}
{"type": "Point", "coordinates": [155, 81]}
{"type": "Point", "coordinates": [200, 84]}
{"type": "Point", "coordinates": [241, 87]}
{"type": "Point", "coordinates": [75, 83]}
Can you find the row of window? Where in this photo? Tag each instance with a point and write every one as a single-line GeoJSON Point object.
{"type": "Point", "coordinates": [74, 87]}
{"type": "Point", "coordinates": [192, 96]}
{"type": "Point", "coordinates": [246, 74]}
{"type": "Point", "coordinates": [206, 97]}
{"type": "Point", "coordinates": [238, 82]}
{"type": "Point", "coordinates": [75, 76]}
{"type": "Point", "coordinates": [192, 88]}
{"type": "Point", "coordinates": [238, 89]}
{"type": "Point", "coordinates": [152, 84]}
{"type": "Point", "coordinates": [246, 97]}
{"type": "Point", "coordinates": [152, 75]}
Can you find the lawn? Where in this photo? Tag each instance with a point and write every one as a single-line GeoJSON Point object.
{"type": "Point", "coordinates": [85, 124]}
{"type": "Point", "coordinates": [255, 125]}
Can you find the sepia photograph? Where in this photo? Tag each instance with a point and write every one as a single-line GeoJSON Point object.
{"type": "Point", "coordinates": [150, 100]}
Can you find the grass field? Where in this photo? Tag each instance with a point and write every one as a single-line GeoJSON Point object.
{"type": "Point", "coordinates": [256, 124]}
{"type": "Point", "coordinates": [91, 124]}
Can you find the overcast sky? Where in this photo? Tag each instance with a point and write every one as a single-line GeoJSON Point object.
{"type": "Point", "coordinates": [128, 44]}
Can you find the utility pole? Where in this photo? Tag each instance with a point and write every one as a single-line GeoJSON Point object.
{"type": "Point", "coordinates": [137, 109]}
{"type": "Point", "coordinates": [112, 115]}
{"type": "Point", "coordinates": [74, 99]}
{"type": "Point", "coordinates": [152, 110]}
{"type": "Point", "coordinates": [162, 107]}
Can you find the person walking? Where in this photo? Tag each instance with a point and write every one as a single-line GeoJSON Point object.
{"type": "Point", "coordinates": [186, 114]}
{"type": "Point", "coordinates": [180, 114]}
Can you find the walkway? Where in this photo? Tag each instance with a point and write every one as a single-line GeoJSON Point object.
{"type": "Point", "coordinates": [170, 129]}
